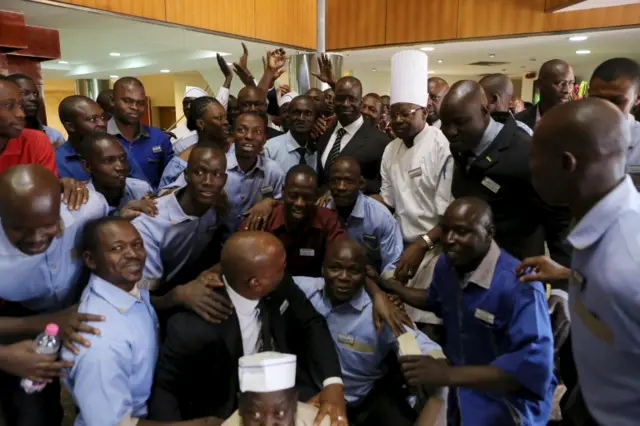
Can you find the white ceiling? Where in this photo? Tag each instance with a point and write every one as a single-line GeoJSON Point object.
{"type": "Point", "coordinates": [594, 4]}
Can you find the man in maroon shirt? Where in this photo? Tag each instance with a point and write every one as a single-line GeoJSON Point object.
{"type": "Point", "coordinates": [304, 228]}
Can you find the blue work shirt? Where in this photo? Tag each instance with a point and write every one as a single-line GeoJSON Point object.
{"type": "Point", "coordinates": [173, 170]}
{"type": "Point", "coordinates": [54, 135]}
{"type": "Point", "coordinates": [633, 152]}
{"type": "Point", "coordinates": [491, 318]}
{"type": "Point", "coordinates": [172, 239]}
{"type": "Point", "coordinates": [373, 226]}
{"type": "Point", "coordinates": [47, 282]}
{"type": "Point", "coordinates": [151, 149]}
{"type": "Point", "coordinates": [134, 189]}
{"type": "Point", "coordinates": [604, 298]}
{"type": "Point", "coordinates": [112, 379]}
{"type": "Point", "coordinates": [69, 164]}
{"type": "Point", "coordinates": [360, 348]}
{"type": "Point", "coordinates": [244, 190]}
{"type": "Point", "coordinates": [282, 150]}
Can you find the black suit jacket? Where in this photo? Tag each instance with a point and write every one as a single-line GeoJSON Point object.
{"type": "Point", "coordinates": [523, 221]}
{"type": "Point", "coordinates": [366, 146]}
{"type": "Point", "coordinates": [197, 370]}
{"type": "Point", "coordinates": [528, 116]}
{"type": "Point", "coordinates": [273, 133]}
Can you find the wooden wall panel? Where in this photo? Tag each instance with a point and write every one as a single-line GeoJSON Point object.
{"type": "Point", "coordinates": [553, 5]}
{"type": "Point", "coordinates": [227, 16]}
{"type": "Point", "coordinates": [491, 18]}
{"type": "Point", "coordinates": [616, 16]}
{"type": "Point", "coordinates": [152, 9]}
{"type": "Point", "coordinates": [355, 23]}
{"type": "Point", "coordinates": [419, 20]}
{"type": "Point", "coordinates": [292, 22]}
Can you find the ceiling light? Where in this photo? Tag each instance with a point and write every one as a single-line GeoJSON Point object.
{"type": "Point", "coordinates": [114, 54]}
{"type": "Point", "coordinates": [430, 72]}
{"type": "Point", "coordinates": [492, 55]}
{"type": "Point", "coordinates": [428, 49]}
{"type": "Point", "coordinates": [165, 71]}
{"type": "Point", "coordinates": [582, 52]}
{"type": "Point", "coordinates": [373, 69]}
{"type": "Point", "coordinates": [114, 76]}
{"type": "Point", "coordinates": [63, 62]}
{"type": "Point", "coordinates": [578, 38]}
{"type": "Point", "coordinates": [439, 61]}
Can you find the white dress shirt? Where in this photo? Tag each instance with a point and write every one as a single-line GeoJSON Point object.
{"type": "Point", "coordinates": [250, 325]}
{"type": "Point", "coordinates": [416, 181]}
{"type": "Point", "coordinates": [351, 130]}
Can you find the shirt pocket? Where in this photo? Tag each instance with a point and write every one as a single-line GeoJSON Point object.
{"type": "Point", "coordinates": [371, 245]}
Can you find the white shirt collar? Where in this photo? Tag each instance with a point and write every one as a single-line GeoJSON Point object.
{"type": "Point", "coordinates": [352, 128]}
{"type": "Point", "coordinates": [242, 304]}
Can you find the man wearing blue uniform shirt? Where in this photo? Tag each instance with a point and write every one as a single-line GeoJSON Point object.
{"type": "Point", "coordinates": [149, 146]}
{"type": "Point", "coordinates": [111, 380]}
{"type": "Point", "coordinates": [497, 330]}
{"type": "Point", "coordinates": [106, 161]}
{"type": "Point", "coordinates": [365, 219]}
{"type": "Point", "coordinates": [578, 158]}
{"type": "Point", "coordinates": [41, 268]}
{"type": "Point", "coordinates": [296, 146]}
{"type": "Point", "coordinates": [340, 297]}
{"type": "Point", "coordinates": [82, 117]}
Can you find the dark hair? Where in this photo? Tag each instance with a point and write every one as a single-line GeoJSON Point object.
{"type": "Point", "coordinates": [66, 109]}
{"type": "Point", "coordinates": [16, 77]}
{"type": "Point", "coordinates": [374, 96]}
{"type": "Point", "coordinates": [301, 169]}
{"type": "Point", "coordinates": [252, 113]}
{"type": "Point", "coordinates": [615, 68]}
{"type": "Point", "coordinates": [127, 81]}
{"type": "Point", "coordinates": [196, 110]}
{"type": "Point", "coordinates": [91, 229]}
{"type": "Point", "coordinates": [88, 142]}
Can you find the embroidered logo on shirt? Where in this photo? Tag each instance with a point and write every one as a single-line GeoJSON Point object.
{"type": "Point", "coordinates": [484, 316]}
{"type": "Point", "coordinates": [491, 185]}
{"type": "Point", "coordinates": [347, 339]}
{"type": "Point", "coordinates": [415, 172]}
{"type": "Point", "coordinates": [306, 252]}
{"type": "Point", "coordinates": [284, 306]}
{"type": "Point", "coordinates": [370, 237]}
{"type": "Point", "coordinates": [156, 149]}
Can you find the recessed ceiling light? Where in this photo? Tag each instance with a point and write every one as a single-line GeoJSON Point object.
{"type": "Point", "coordinates": [165, 71]}
{"type": "Point", "coordinates": [428, 49]}
{"type": "Point", "coordinates": [114, 54]}
{"type": "Point", "coordinates": [582, 52]}
{"type": "Point", "coordinates": [373, 69]}
{"type": "Point", "coordinates": [492, 55]}
{"type": "Point", "coordinates": [114, 76]}
{"type": "Point", "coordinates": [63, 62]}
{"type": "Point", "coordinates": [430, 72]}
{"type": "Point", "coordinates": [439, 61]}
{"type": "Point", "coordinates": [578, 38]}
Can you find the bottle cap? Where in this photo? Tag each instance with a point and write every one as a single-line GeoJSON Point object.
{"type": "Point", "coordinates": [51, 329]}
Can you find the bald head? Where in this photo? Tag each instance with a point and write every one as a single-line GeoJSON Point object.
{"type": "Point", "coordinates": [253, 263]}
{"type": "Point", "coordinates": [465, 115]}
{"type": "Point", "coordinates": [555, 81]}
{"type": "Point", "coordinates": [499, 90]}
{"type": "Point", "coordinates": [344, 270]}
{"type": "Point", "coordinates": [355, 249]}
{"type": "Point", "coordinates": [467, 232]}
{"type": "Point", "coordinates": [253, 99]}
{"type": "Point", "coordinates": [104, 99]}
{"type": "Point", "coordinates": [437, 88]}
{"type": "Point", "coordinates": [30, 207]}
{"type": "Point", "coordinates": [474, 209]}
{"type": "Point", "coordinates": [346, 163]}
{"type": "Point", "coordinates": [579, 148]}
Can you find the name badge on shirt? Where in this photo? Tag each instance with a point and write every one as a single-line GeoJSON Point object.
{"type": "Point", "coordinates": [266, 190]}
{"type": "Point", "coordinates": [347, 339]}
{"type": "Point", "coordinates": [484, 316]}
{"type": "Point", "coordinates": [415, 172]}
{"type": "Point", "coordinates": [156, 149]}
{"type": "Point", "coordinates": [491, 185]}
{"type": "Point", "coordinates": [576, 278]}
{"type": "Point", "coordinates": [633, 169]}
{"type": "Point", "coordinates": [306, 252]}
{"type": "Point", "coordinates": [284, 306]}
{"type": "Point", "coordinates": [370, 237]}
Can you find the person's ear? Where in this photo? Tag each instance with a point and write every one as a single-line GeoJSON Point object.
{"type": "Point", "coordinates": [89, 260]}
{"type": "Point", "coordinates": [69, 127]}
{"type": "Point", "coordinates": [637, 99]}
{"type": "Point", "coordinates": [85, 165]}
{"type": "Point", "coordinates": [569, 162]}
{"type": "Point", "coordinates": [200, 124]}
{"type": "Point", "coordinates": [491, 230]}
{"type": "Point", "coordinates": [254, 284]}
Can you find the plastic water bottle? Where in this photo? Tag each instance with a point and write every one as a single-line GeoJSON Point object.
{"type": "Point", "coordinates": [47, 343]}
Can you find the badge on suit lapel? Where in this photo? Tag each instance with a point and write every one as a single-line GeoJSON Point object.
{"type": "Point", "coordinates": [490, 184]}
{"type": "Point", "coordinates": [284, 306]}
{"type": "Point", "coordinates": [485, 316]}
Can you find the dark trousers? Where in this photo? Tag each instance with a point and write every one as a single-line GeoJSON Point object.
{"type": "Point", "coordinates": [36, 409]}
{"type": "Point", "coordinates": [382, 407]}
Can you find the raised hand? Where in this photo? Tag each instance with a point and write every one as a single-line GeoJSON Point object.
{"type": "Point", "coordinates": [326, 71]}
{"type": "Point", "coordinates": [224, 67]}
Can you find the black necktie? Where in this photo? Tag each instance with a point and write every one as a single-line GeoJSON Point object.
{"type": "Point", "coordinates": [335, 149]}
{"type": "Point", "coordinates": [265, 342]}
{"type": "Point", "coordinates": [302, 152]}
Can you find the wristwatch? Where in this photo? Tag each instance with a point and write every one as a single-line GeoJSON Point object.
{"type": "Point", "coordinates": [427, 240]}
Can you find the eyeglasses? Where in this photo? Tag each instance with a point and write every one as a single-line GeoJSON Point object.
{"type": "Point", "coordinates": [403, 115]}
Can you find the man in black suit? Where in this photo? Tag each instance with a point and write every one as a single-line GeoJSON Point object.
{"type": "Point", "coordinates": [198, 362]}
{"type": "Point", "coordinates": [556, 83]}
{"type": "Point", "coordinates": [352, 136]}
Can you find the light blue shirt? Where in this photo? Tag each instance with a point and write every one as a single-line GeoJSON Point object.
{"type": "Point", "coordinates": [113, 378]}
{"type": "Point", "coordinates": [282, 149]}
{"type": "Point", "coordinates": [46, 282]}
{"type": "Point", "coordinates": [604, 297]}
{"type": "Point", "coordinates": [244, 190]}
{"type": "Point", "coordinates": [134, 189]}
{"type": "Point", "coordinates": [373, 226]}
{"type": "Point", "coordinates": [361, 349]}
{"type": "Point", "coordinates": [54, 136]}
{"type": "Point", "coordinates": [633, 153]}
{"type": "Point", "coordinates": [172, 238]}
{"type": "Point", "coordinates": [173, 170]}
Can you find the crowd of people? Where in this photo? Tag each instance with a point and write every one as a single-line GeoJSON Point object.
{"type": "Point", "coordinates": [437, 256]}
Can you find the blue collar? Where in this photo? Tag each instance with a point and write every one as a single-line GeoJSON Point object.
{"type": "Point", "coordinates": [357, 302]}
{"type": "Point", "coordinates": [358, 208]}
{"type": "Point", "coordinates": [118, 298]}
{"type": "Point", "coordinates": [292, 143]}
{"type": "Point", "coordinates": [489, 135]}
{"type": "Point", "coordinates": [112, 129]}
{"type": "Point", "coordinates": [601, 216]}
{"type": "Point", "coordinates": [232, 163]}
{"type": "Point", "coordinates": [176, 214]}
{"type": "Point", "coordinates": [68, 150]}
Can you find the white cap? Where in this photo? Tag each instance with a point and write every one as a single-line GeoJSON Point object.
{"type": "Point", "coordinates": [409, 75]}
{"type": "Point", "coordinates": [194, 92]}
{"type": "Point", "coordinates": [267, 372]}
{"type": "Point", "coordinates": [286, 98]}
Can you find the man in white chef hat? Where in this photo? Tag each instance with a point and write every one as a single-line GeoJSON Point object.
{"type": "Point", "coordinates": [417, 170]}
{"type": "Point", "coordinates": [268, 395]}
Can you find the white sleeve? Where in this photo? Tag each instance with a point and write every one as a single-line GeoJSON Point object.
{"type": "Point", "coordinates": [386, 189]}
{"type": "Point", "coordinates": [445, 165]}
{"type": "Point", "coordinates": [223, 96]}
